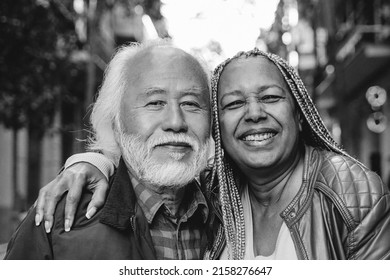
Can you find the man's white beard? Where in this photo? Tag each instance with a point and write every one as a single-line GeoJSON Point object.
{"type": "Point", "coordinates": [172, 173]}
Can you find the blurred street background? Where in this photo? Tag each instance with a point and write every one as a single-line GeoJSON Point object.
{"type": "Point", "coordinates": [53, 54]}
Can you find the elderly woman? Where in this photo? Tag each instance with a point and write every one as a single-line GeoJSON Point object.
{"type": "Point", "coordinates": [287, 191]}
{"type": "Point", "coordinates": [281, 186]}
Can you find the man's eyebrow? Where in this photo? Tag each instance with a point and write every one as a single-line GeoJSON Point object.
{"type": "Point", "coordinates": [194, 91]}
{"type": "Point", "coordinates": [187, 91]}
{"type": "Point", "coordinates": [154, 90]}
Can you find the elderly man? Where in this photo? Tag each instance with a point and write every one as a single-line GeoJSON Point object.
{"type": "Point", "coordinates": [152, 118]}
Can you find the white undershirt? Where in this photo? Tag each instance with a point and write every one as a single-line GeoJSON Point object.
{"type": "Point", "coordinates": [284, 248]}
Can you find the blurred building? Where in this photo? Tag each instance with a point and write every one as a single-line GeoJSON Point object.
{"type": "Point", "coordinates": [342, 50]}
{"type": "Point", "coordinates": [101, 27]}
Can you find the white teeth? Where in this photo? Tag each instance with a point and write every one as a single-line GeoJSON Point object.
{"type": "Point", "coordinates": [176, 156]}
{"type": "Point", "coordinates": [258, 137]}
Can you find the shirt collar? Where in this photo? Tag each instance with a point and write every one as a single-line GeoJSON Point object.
{"type": "Point", "coordinates": [150, 202]}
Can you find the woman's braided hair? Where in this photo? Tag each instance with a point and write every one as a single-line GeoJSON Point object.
{"type": "Point", "coordinates": [314, 133]}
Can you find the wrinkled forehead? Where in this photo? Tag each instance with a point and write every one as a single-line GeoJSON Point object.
{"type": "Point", "coordinates": [168, 60]}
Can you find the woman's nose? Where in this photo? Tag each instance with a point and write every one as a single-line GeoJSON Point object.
{"type": "Point", "coordinates": [255, 111]}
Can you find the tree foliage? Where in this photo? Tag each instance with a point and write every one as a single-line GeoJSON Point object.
{"type": "Point", "coordinates": [35, 69]}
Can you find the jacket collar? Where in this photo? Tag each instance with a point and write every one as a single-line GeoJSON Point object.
{"type": "Point", "coordinates": [120, 203]}
{"type": "Point", "coordinates": [300, 202]}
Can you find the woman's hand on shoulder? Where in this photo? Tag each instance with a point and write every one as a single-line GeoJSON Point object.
{"type": "Point", "coordinates": [73, 179]}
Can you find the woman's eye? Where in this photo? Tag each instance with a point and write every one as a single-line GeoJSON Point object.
{"type": "Point", "coordinates": [271, 98]}
{"type": "Point", "coordinates": [234, 104]}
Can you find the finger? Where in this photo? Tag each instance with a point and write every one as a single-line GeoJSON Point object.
{"type": "Point", "coordinates": [40, 202]}
{"type": "Point", "coordinates": [98, 198]}
{"type": "Point", "coordinates": [53, 195]}
{"type": "Point", "coordinates": [90, 212]}
{"type": "Point", "coordinates": [48, 224]}
{"type": "Point", "coordinates": [72, 200]}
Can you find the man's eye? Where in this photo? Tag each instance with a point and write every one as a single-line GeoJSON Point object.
{"type": "Point", "coordinates": [271, 98]}
{"type": "Point", "coordinates": [155, 104]}
{"type": "Point", "coordinates": [190, 104]}
{"type": "Point", "coordinates": [234, 105]}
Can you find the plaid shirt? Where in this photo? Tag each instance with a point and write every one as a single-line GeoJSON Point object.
{"type": "Point", "coordinates": [175, 238]}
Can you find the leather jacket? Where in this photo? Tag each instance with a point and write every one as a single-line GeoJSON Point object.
{"type": "Point", "coordinates": [342, 211]}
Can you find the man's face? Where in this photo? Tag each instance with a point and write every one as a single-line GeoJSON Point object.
{"type": "Point", "coordinates": [259, 121]}
{"type": "Point", "coordinates": [166, 110]}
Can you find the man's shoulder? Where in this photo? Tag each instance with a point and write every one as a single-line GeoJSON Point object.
{"type": "Point", "coordinates": [80, 218]}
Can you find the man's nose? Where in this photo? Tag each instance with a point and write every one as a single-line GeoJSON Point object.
{"type": "Point", "coordinates": [255, 111]}
{"type": "Point", "coordinates": [174, 119]}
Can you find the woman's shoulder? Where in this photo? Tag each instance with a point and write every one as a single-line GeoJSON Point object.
{"type": "Point", "coordinates": [358, 187]}
{"type": "Point", "coordinates": [348, 173]}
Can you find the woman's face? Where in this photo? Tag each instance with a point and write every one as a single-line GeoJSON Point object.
{"type": "Point", "coordinates": [258, 117]}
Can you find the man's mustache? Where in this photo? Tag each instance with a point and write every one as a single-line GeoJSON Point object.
{"type": "Point", "coordinates": [179, 139]}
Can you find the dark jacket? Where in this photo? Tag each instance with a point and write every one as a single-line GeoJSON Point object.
{"type": "Point", "coordinates": [118, 231]}
{"type": "Point", "coordinates": [342, 211]}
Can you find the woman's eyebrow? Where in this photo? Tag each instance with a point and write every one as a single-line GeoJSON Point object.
{"type": "Point", "coordinates": [233, 92]}
{"type": "Point", "coordinates": [259, 89]}
{"type": "Point", "coordinates": [263, 88]}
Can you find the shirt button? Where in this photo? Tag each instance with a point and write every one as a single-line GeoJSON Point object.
{"type": "Point", "coordinates": [292, 215]}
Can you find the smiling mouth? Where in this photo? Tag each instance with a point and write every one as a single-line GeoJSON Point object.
{"type": "Point", "coordinates": [175, 145]}
{"type": "Point", "coordinates": [175, 150]}
{"type": "Point", "coordinates": [258, 137]}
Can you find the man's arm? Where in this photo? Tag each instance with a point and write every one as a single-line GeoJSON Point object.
{"type": "Point", "coordinates": [89, 170]}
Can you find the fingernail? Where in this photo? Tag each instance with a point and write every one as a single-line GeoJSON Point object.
{"type": "Point", "coordinates": [67, 225]}
{"type": "Point", "coordinates": [47, 226]}
{"type": "Point", "coordinates": [37, 219]}
{"type": "Point", "coordinates": [90, 213]}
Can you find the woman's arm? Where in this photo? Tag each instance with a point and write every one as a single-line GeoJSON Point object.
{"type": "Point", "coordinates": [85, 170]}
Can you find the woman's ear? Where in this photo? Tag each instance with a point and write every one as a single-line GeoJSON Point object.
{"type": "Point", "coordinates": [300, 122]}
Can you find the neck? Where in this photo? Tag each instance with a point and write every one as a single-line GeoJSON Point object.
{"type": "Point", "coordinates": [271, 190]}
{"type": "Point", "coordinates": [171, 197]}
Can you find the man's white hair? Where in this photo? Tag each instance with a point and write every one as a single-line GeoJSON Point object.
{"type": "Point", "coordinates": [115, 83]}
